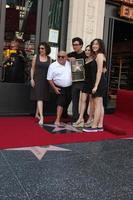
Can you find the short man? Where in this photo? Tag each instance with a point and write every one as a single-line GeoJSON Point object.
{"type": "Point", "coordinates": [60, 79]}
{"type": "Point", "coordinates": [77, 86]}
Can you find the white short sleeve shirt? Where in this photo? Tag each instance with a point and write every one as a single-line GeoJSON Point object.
{"type": "Point", "coordinates": [60, 74]}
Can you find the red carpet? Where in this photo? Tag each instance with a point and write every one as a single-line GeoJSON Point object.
{"type": "Point", "coordinates": [121, 121]}
{"type": "Point", "coordinates": [24, 132]}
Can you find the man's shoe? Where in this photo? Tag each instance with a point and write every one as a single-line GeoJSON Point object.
{"type": "Point", "coordinates": [89, 130]}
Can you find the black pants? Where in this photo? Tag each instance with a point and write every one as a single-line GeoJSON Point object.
{"type": "Point", "coordinates": [64, 98]}
{"type": "Point", "coordinates": [76, 88]}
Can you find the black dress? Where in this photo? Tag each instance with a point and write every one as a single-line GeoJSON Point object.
{"type": "Point", "coordinates": [41, 89]}
{"type": "Point", "coordinates": [90, 79]}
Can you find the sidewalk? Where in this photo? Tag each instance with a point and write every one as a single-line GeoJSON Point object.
{"type": "Point", "coordinates": [83, 171]}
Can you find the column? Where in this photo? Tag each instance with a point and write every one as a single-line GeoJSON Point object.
{"type": "Point", "coordinates": [86, 20]}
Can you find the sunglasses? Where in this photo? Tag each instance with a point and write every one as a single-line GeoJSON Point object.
{"type": "Point", "coordinates": [41, 47]}
{"type": "Point", "coordinates": [61, 57]}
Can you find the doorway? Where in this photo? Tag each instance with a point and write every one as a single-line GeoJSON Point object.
{"type": "Point", "coordinates": [120, 54]}
{"type": "Point", "coordinates": [18, 21]}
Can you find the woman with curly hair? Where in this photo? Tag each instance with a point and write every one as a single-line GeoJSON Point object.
{"type": "Point", "coordinates": [39, 83]}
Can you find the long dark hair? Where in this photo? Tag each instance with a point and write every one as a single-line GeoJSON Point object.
{"type": "Point", "coordinates": [101, 45]}
{"type": "Point", "coordinates": [90, 50]}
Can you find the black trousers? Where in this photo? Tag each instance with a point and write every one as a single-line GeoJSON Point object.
{"type": "Point", "coordinates": [64, 98]}
{"type": "Point", "coordinates": [76, 88]}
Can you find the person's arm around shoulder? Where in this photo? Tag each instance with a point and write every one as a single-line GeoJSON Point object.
{"type": "Point", "coordinates": [99, 60]}
{"type": "Point", "coordinates": [33, 71]}
{"type": "Point", "coordinates": [70, 57]}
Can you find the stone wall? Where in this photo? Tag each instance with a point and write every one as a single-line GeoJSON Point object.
{"type": "Point", "coordinates": [86, 20]}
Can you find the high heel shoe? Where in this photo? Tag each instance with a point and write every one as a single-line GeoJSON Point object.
{"type": "Point", "coordinates": [89, 123]}
{"type": "Point", "coordinates": [40, 122]}
{"type": "Point", "coordinates": [79, 124]}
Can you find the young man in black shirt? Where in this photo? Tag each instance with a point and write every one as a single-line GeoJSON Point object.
{"type": "Point", "coordinates": [77, 86]}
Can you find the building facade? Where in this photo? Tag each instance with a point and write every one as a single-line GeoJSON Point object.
{"type": "Point", "coordinates": [86, 20]}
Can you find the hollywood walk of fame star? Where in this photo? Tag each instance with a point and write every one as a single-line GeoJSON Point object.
{"type": "Point", "coordinates": [63, 126]}
{"type": "Point", "coordinates": [39, 152]}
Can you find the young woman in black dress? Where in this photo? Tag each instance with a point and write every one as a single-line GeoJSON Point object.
{"type": "Point", "coordinates": [39, 83]}
{"type": "Point", "coordinates": [85, 92]}
{"type": "Point", "coordinates": [98, 84]}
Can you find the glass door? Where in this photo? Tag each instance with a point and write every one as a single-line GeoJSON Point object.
{"type": "Point", "coordinates": [19, 39]}
{"type": "Point", "coordinates": [119, 40]}
{"type": "Point", "coordinates": [54, 26]}
{"type": "Point", "coordinates": [2, 17]}
{"type": "Point", "coordinates": [108, 39]}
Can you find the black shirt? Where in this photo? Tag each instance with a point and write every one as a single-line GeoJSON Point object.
{"type": "Point", "coordinates": [77, 55]}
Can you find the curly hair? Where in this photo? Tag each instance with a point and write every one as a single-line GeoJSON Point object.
{"type": "Point", "coordinates": [46, 46]}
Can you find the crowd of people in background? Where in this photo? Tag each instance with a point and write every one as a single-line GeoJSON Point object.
{"type": "Point", "coordinates": [16, 63]}
{"type": "Point", "coordinates": [72, 74]}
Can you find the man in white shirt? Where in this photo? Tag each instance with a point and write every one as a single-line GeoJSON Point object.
{"type": "Point", "coordinates": [60, 78]}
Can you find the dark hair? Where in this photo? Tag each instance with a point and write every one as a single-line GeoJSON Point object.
{"type": "Point", "coordinates": [88, 46]}
{"type": "Point", "coordinates": [47, 47]}
{"type": "Point", "coordinates": [77, 39]}
{"type": "Point", "coordinates": [101, 45]}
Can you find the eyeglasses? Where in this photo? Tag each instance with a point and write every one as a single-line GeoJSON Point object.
{"type": "Point", "coordinates": [41, 47]}
{"type": "Point", "coordinates": [75, 44]}
{"type": "Point", "coordinates": [61, 57]}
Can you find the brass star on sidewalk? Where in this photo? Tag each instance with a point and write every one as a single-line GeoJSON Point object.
{"type": "Point", "coordinates": [63, 126]}
{"type": "Point", "coordinates": [39, 152]}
